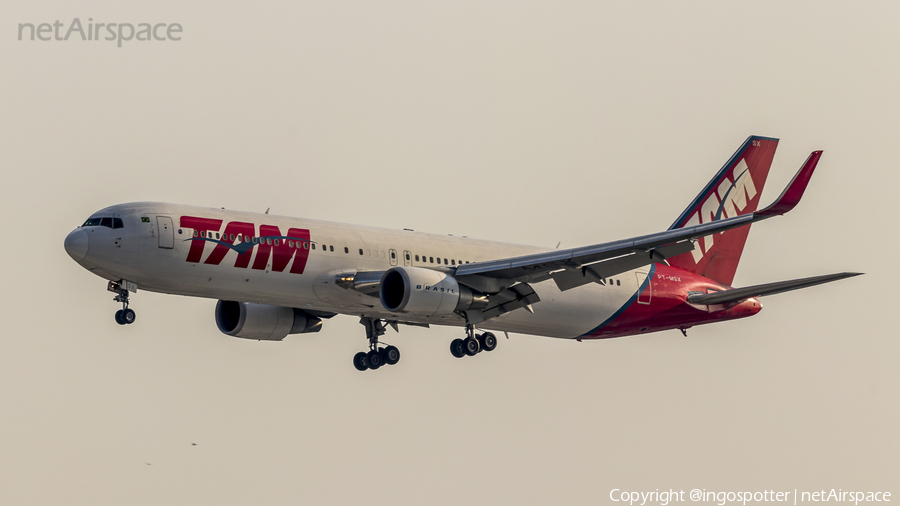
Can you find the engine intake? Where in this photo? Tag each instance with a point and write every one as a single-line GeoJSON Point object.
{"type": "Point", "coordinates": [262, 321]}
{"type": "Point", "coordinates": [426, 292]}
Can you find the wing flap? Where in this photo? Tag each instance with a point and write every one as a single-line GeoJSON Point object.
{"type": "Point", "coordinates": [598, 272]}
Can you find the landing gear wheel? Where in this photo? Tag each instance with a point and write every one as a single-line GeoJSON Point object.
{"type": "Point", "coordinates": [128, 316]}
{"type": "Point", "coordinates": [374, 360]}
{"type": "Point", "coordinates": [488, 341]}
{"type": "Point", "coordinates": [119, 317]}
{"type": "Point", "coordinates": [391, 355]}
{"type": "Point", "coordinates": [457, 348]}
{"type": "Point", "coordinates": [359, 361]}
{"type": "Point", "coordinates": [471, 346]}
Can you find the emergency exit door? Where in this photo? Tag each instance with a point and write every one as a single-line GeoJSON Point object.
{"type": "Point", "coordinates": [644, 295]}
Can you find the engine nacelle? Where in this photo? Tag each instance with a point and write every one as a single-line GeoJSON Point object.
{"type": "Point", "coordinates": [426, 292]}
{"type": "Point", "coordinates": [262, 321]}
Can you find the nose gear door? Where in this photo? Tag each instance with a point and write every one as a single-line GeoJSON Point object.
{"type": "Point", "coordinates": [166, 232]}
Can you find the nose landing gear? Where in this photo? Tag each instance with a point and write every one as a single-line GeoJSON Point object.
{"type": "Point", "coordinates": [473, 344]}
{"type": "Point", "coordinates": [375, 357]}
{"type": "Point", "coordinates": [126, 315]}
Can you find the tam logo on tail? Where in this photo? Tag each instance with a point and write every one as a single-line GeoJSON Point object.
{"type": "Point", "coordinates": [729, 200]}
{"type": "Point", "coordinates": [733, 191]}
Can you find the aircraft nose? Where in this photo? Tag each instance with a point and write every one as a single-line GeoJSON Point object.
{"type": "Point", "coordinates": [77, 243]}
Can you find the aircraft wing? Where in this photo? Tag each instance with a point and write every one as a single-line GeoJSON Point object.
{"type": "Point", "coordinates": [577, 266]}
{"type": "Point", "coordinates": [737, 294]}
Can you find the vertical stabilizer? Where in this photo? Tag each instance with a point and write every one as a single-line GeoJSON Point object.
{"type": "Point", "coordinates": [733, 191]}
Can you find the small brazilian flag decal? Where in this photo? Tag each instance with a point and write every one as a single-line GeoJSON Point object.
{"type": "Point", "coordinates": [144, 219]}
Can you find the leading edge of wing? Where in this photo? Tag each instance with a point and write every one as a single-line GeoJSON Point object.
{"type": "Point", "coordinates": [523, 266]}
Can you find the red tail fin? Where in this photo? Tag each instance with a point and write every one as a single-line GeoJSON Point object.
{"type": "Point", "coordinates": [735, 190]}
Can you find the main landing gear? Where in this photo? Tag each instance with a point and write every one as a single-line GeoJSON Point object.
{"type": "Point", "coordinates": [124, 316]}
{"type": "Point", "coordinates": [473, 344]}
{"type": "Point", "coordinates": [375, 357]}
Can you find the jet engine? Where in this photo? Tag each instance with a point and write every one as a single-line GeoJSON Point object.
{"type": "Point", "coordinates": [262, 321]}
{"type": "Point", "coordinates": [426, 292]}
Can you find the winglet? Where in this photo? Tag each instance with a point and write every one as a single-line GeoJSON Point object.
{"type": "Point", "coordinates": [794, 191]}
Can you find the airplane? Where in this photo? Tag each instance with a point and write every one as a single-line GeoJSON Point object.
{"type": "Point", "coordinates": [275, 276]}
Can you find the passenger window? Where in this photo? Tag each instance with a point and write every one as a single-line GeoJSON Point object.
{"type": "Point", "coordinates": [231, 238]}
{"type": "Point", "coordinates": [217, 235]}
{"type": "Point", "coordinates": [254, 240]}
{"type": "Point", "coordinates": [452, 262]}
{"type": "Point", "coordinates": [313, 246]}
{"type": "Point", "coordinates": [431, 259]}
{"type": "Point", "coordinates": [117, 223]}
{"type": "Point", "coordinates": [417, 258]}
{"type": "Point", "coordinates": [306, 245]}
{"type": "Point", "coordinates": [106, 222]}
{"type": "Point", "coordinates": [618, 282]}
{"type": "Point", "coordinates": [445, 261]}
{"type": "Point", "coordinates": [196, 234]}
{"type": "Point", "coordinates": [360, 251]}
{"type": "Point", "coordinates": [331, 248]}
{"type": "Point", "coordinates": [346, 250]}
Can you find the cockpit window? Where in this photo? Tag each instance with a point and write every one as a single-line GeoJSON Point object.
{"type": "Point", "coordinates": [104, 222]}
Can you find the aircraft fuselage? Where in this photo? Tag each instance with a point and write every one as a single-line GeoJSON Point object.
{"type": "Point", "coordinates": [295, 262]}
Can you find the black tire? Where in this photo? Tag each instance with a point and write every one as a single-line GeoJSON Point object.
{"type": "Point", "coordinates": [359, 361]}
{"type": "Point", "coordinates": [391, 355]}
{"type": "Point", "coordinates": [457, 349]}
{"type": "Point", "coordinates": [488, 341]}
{"type": "Point", "coordinates": [374, 360]}
{"type": "Point", "coordinates": [128, 316]}
{"type": "Point", "coordinates": [471, 346]}
{"type": "Point", "coordinates": [119, 317]}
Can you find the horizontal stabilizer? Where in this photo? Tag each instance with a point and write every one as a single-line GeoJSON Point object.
{"type": "Point", "coordinates": [738, 294]}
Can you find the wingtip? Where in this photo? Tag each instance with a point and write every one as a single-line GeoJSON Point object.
{"type": "Point", "coordinates": [792, 194]}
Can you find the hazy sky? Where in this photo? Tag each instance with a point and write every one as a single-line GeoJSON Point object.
{"type": "Point", "coordinates": [517, 121]}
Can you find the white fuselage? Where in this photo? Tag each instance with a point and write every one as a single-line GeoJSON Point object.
{"type": "Point", "coordinates": [147, 252]}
